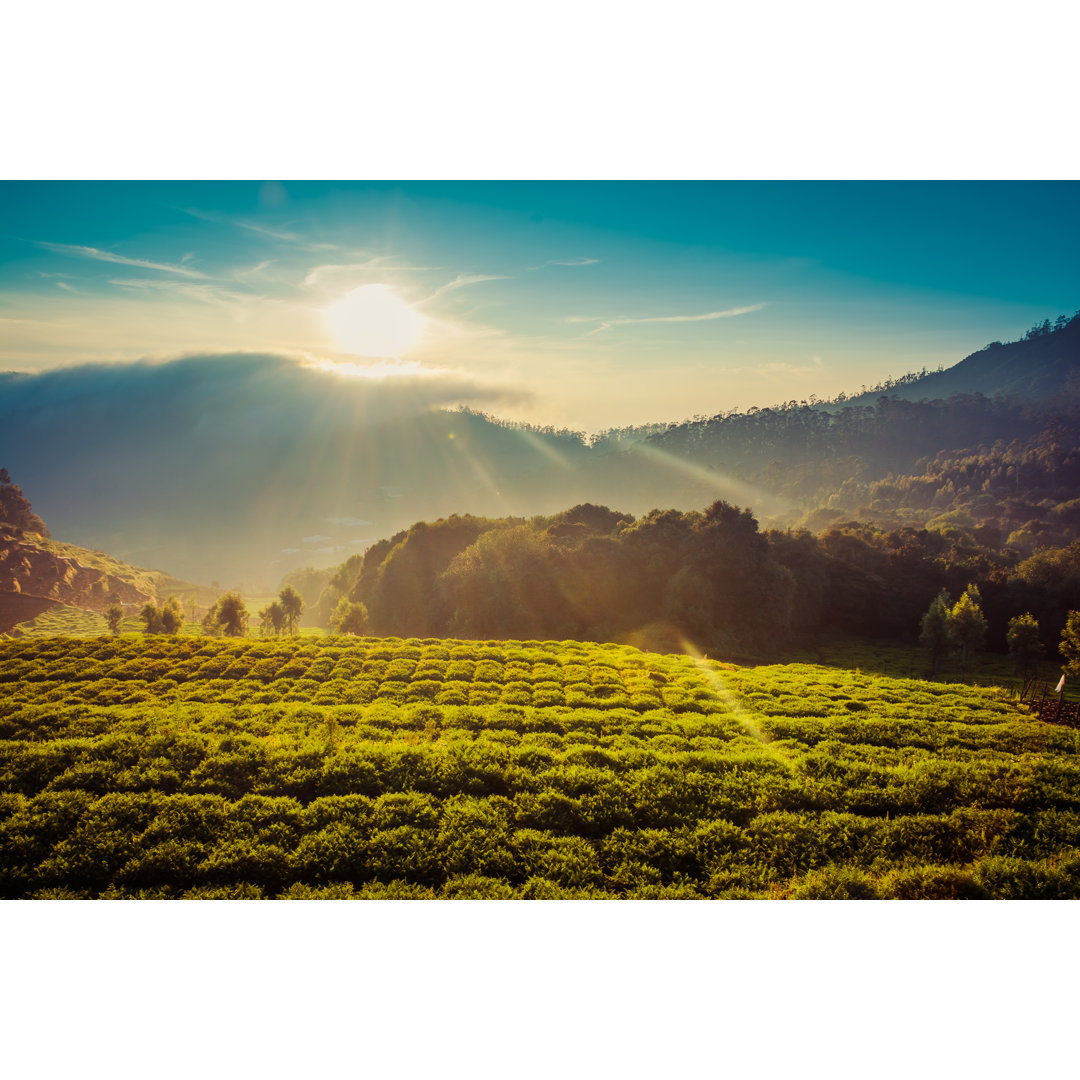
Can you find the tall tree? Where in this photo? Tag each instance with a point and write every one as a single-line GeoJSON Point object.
{"type": "Point", "coordinates": [936, 632]}
{"type": "Point", "coordinates": [172, 616]}
{"type": "Point", "coordinates": [151, 617]}
{"type": "Point", "coordinates": [968, 624]}
{"type": "Point", "coordinates": [293, 605]}
{"type": "Point", "coordinates": [272, 619]}
{"type": "Point", "coordinates": [114, 616]}
{"type": "Point", "coordinates": [1025, 648]}
{"type": "Point", "coordinates": [232, 615]}
{"type": "Point", "coordinates": [1070, 644]}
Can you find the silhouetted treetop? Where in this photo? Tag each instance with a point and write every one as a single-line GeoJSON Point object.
{"type": "Point", "coordinates": [15, 507]}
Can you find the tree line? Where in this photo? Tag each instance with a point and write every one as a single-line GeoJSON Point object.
{"type": "Point", "coordinates": [228, 616]}
{"type": "Point", "coordinates": [711, 578]}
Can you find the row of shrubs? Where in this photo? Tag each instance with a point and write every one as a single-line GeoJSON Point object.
{"type": "Point", "coordinates": [754, 782]}
{"type": "Point", "coordinates": [182, 842]}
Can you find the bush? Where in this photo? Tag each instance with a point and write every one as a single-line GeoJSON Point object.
{"type": "Point", "coordinates": [931, 883]}
{"type": "Point", "coordinates": [1021, 879]}
{"type": "Point", "coordinates": [836, 883]}
{"type": "Point", "coordinates": [475, 887]}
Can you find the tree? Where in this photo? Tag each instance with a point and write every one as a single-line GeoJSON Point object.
{"type": "Point", "coordinates": [936, 632]}
{"type": "Point", "coordinates": [228, 616]}
{"type": "Point", "coordinates": [272, 619]}
{"type": "Point", "coordinates": [293, 604]}
{"type": "Point", "coordinates": [1025, 648]}
{"type": "Point", "coordinates": [1070, 644]}
{"type": "Point", "coordinates": [348, 617]}
{"type": "Point", "coordinates": [968, 624]}
{"type": "Point", "coordinates": [172, 616]}
{"type": "Point", "coordinates": [232, 615]}
{"type": "Point", "coordinates": [15, 507]}
{"type": "Point", "coordinates": [210, 624]}
{"type": "Point", "coordinates": [114, 616]}
{"type": "Point", "coordinates": [151, 617]}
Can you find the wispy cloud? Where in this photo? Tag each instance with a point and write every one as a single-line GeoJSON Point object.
{"type": "Point", "coordinates": [256, 269]}
{"type": "Point", "coordinates": [607, 323]}
{"type": "Point", "coordinates": [79, 251]}
{"type": "Point", "coordinates": [239, 223]}
{"type": "Point", "coordinates": [207, 293]}
{"type": "Point", "coordinates": [460, 282]}
{"type": "Point", "coordinates": [68, 288]}
{"type": "Point", "coordinates": [376, 262]}
{"type": "Point", "coordinates": [582, 260]}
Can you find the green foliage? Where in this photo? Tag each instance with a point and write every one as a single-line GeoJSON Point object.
{"type": "Point", "coordinates": [151, 617]}
{"type": "Point", "coordinates": [837, 883]}
{"type": "Point", "coordinates": [968, 624]}
{"type": "Point", "coordinates": [172, 767]}
{"type": "Point", "coordinates": [114, 616]}
{"type": "Point", "coordinates": [1070, 644]}
{"type": "Point", "coordinates": [936, 630]}
{"type": "Point", "coordinates": [272, 619]}
{"type": "Point", "coordinates": [348, 617]}
{"type": "Point", "coordinates": [227, 616]}
{"type": "Point", "coordinates": [1025, 648]}
{"type": "Point", "coordinates": [710, 577]}
{"type": "Point", "coordinates": [172, 616]}
{"type": "Point", "coordinates": [292, 606]}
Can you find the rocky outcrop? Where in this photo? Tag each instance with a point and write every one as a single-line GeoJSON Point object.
{"type": "Point", "coordinates": [28, 570]}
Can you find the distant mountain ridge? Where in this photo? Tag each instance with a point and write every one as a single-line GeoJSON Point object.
{"type": "Point", "coordinates": [245, 467]}
{"type": "Point", "coordinates": [1042, 365]}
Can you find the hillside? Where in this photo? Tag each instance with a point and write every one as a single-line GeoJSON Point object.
{"type": "Point", "coordinates": [37, 573]}
{"type": "Point", "coordinates": [1042, 366]}
{"type": "Point", "coordinates": [399, 769]}
{"type": "Point", "coordinates": [243, 468]}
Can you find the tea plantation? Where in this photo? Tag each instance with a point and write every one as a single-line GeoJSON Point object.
{"type": "Point", "coordinates": [157, 767]}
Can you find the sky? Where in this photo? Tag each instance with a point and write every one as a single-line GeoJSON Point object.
{"type": "Point", "coordinates": [588, 305]}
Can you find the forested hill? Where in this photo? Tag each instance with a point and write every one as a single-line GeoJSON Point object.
{"type": "Point", "coordinates": [1044, 364]}
{"type": "Point", "coordinates": [242, 468]}
{"type": "Point", "coordinates": [710, 577]}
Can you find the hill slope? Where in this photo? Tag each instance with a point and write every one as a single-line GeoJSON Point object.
{"type": "Point", "coordinates": [242, 468]}
{"type": "Point", "coordinates": [411, 769]}
{"type": "Point", "coordinates": [37, 572]}
{"type": "Point", "coordinates": [1042, 366]}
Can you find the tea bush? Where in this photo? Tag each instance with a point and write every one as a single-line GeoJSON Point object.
{"type": "Point", "coordinates": [356, 768]}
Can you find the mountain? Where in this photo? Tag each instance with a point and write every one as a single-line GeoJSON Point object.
{"type": "Point", "coordinates": [241, 468]}
{"type": "Point", "coordinates": [244, 467]}
{"type": "Point", "coordinates": [1043, 365]}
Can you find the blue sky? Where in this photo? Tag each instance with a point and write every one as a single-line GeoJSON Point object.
{"type": "Point", "coordinates": [591, 304]}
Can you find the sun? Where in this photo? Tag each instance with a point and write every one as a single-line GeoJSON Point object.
{"type": "Point", "coordinates": [373, 321]}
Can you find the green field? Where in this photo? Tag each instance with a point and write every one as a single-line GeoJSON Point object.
{"type": "Point", "coordinates": [386, 768]}
{"type": "Point", "coordinates": [60, 620]}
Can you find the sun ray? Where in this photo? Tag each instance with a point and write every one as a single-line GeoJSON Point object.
{"type": "Point", "coordinates": [718, 483]}
{"type": "Point", "coordinates": [719, 686]}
